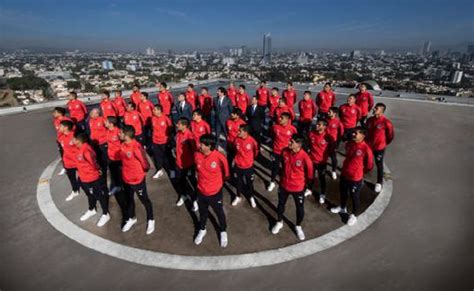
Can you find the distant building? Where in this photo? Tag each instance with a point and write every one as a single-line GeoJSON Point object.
{"type": "Point", "coordinates": [267, 49]}
{"type": "Point", "coordinates": [228, 61]}
{"type": "Point", "coordinates": [150, 52]}
{"type": "Point", "coordinates": [107, 65]}
{"type": "Point", "coordinates": [302, 59]}
{"type": "Point", "coordinates": [456, 77]}
{"type": "Point", "coordinates": [456, 65]}
{"type": "Point", "coordinates": [355, 54]}
{"type": "Point", "coordinates": [426, 48]}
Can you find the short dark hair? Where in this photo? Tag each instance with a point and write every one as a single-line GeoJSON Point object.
{"type": "Point", "coordinates": [164, 84]}
{"type": "Point", "coordinates": [118, 91]}
{"type": "Point", "coordinates": [381, 105]}
{"type": "Point", "coordinates": [159, 107]}
{"type": "Point", "coordinates": [289, 83]}
{"type": "Point", "coordinates": [351, 95]}
{"type": "Point", "coordinates": [81, 136]}
{"type": "Point", "coordinates": [276, 89]}
{"type": "Point", "coordinates": [198, 112]}
{"type": "Point", "coordinates": [360, 129]}
{"type": "Point", "coordinates": [191, 85]}
{"type": "Point", "coordinates": [68, 124]}
{"type": "Point", "coordinates": [282, 99]}
{"type": "Point", "coordinates": [106, 93]}
{"type": "Point", "coordinates": [244, 127]}
{"type": "Point", "coordinates": [184, 121]}
{"type": "Point", "coordinates": [323, 121]}
{"type": "Point", "coordinates": [145, 94]}
{"type": "Point", "coordinates": [60, 110]}
{"type": "Point", "coordinates": [205, 88]}
{"type": "Point", "coordinates": [307, 92]}
{"type": "Point", "coordinates": [132, 104]}
{"type": "Point", "coordinates": [222, 89]}
{"type": "Point", "coordinates": [237, 111]}
{"type": "Point", "coordinates": [298, 138]}
{"type": "Point", "coordinates": [263, 81]}
{"type": "Point", "coordinates": [136, 85]}
{"type": "Point", "coordinates": [129, 131]}
{"type": "Point", "coordinates": [286, 114]}
{"type": "Point", "coordinates": [328, 84]}
{"type": "Point", "coordinates": [208, 140]}
{"type": "Point", "coordinates": [242, 86]}
{"type": "Point", "coordinates": [113, 120]}
{"type": "Point", "coordinates": [74, 94]}
{"type": "Point", "coordinates": [334, 109]}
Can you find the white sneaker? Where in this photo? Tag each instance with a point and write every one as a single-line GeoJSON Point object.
{"type": "Point", "coordinates": [271, 187]}
{"type": "Point", "coordinates": [299, 232]}
{"type": "Point", "coordinates": [72, 195]}
{"type": "Point", "coordinates": [378, 187]}
{"type": "Point", "coordinates": [195, 206]}
{"type": "Point", "coordinates": [150, 228]}
{"type": "Point", "coordinates": [334, 175]}
{"type": "Point", "coordinates": [322, 198]}
{"type": "Point", "coordinates": [172, 174]}
{"type": "Point", "coordinates": [338, 209]}
{"type": "Point", "coordinates": [236, 201]}
{"type": "Point", "coordinates": [88, 214]}
{"type": "Point", "coordinates": [252, 202]}
{"type": "Point", "coordinates": [276, 228]}
{"type": "Point", "coordinates": [158, 174]}
{"type": "Point", "coordinates": [224, 239]}
{"type": "Point", "coordinates": [103, 220]}
{"type": "Point", "coordinates": [129, 224]}
{"type": "Point", "coordinates": [307, 193]}
{"type": "Point", "coordinates": [180, 201]}
{"type": "Point", "coordinates": [201, 234]}
{"type": "Point", "coordinates": [114, 190]}
{"type": "Point", "coordinates": [62, 172]}
{"type": "Point", "coordinates": [352, 220]}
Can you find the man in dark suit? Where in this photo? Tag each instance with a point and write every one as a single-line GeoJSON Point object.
{"type": "Point", "coordinates": [181, 109]}
{"type": "Point", "coordinates": [255, 118]}
{"type": "Point", "coordinates": [222, 109]}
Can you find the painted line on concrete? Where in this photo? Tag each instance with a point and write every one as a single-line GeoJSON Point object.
{"type": "Point", "coordinates": [230, 262]}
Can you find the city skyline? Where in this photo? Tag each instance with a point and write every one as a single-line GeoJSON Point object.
{"type": "Point", "coordinates": [182, 25]}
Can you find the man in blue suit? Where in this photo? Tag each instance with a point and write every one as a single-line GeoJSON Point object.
{"type": "Point", "coordinates": [181, 109]}
{"type": "Point", "coordinates": [222, 109]}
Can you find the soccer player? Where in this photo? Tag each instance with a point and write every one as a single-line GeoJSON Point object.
{"type": "Point", "coordinates": [231, 93]}
{"type": "Point", "coordinates": [199, 126]}
{"type": "Point", "coordinates": [233, 124]}
{"type": "Point", "coordinates": [91, 181]}
{"type": "Point", "coordinates": [107, 106]}
{"type": "Point", "coordinates": [324, 100]}
{"type": "Point", "coordinates": [336, 131]}
{"type": "Point", "coordinates": [136, 95]}
{"type": "Point", "coordinates": [212, 170]}
{"type": "Point", "coordinates": [165, 99]}
{"type": "Point", "coordinates": [113, 153]}
{"type": "Point", "coordinates": [246, 149]}
{"type": "Point", "coordinates": [161, 127]}
{"type": "Point", "coordinates": [282, 133]}
{"type": "Point", "coordinates": [120, 105]}
{"type": "Point", "coordinates": [205, 104]}
{"type": "Point", "coordinates": [133, 118]}
{"type": "Point", "coordinates": [321, 146]}
{"type": "Point", "coordinates": [59, 114]}
{"type": "Point", "coordinates": [134, 168]}
{"type": "Point", "coordinates": [273, 102]}
{"type": "Point", "coordinates": [308, 110]}
{"type": "Point", "coordinates": [283, 107]}
{"type": "Point", "coordinates": [98, 136]}
{"type": "Point", "coordinates": [380, 133]}
{"type": "Point", "coordinates": [359, 160]}
{"type": "Point", "coordinates": [185, 148]}
{"type": "Point", "coordinates": [242, 99]}
{"type": "Point", "coordinates": [69, 156]}
{"type": "Point", "coordinates": [365, 101]}
{"type": "Point", "coordinates": [290, 94]}
{"type": "Point", "coordinates": [297, 172]}
{"type": "Point", "coordinates": [77, 111]}
{"type": "Point", "coordinates": [145, 108]}
{"type": "Point", "coordinates": [191, 96]}
{"type": "Point", "coordinates": [349, 114]}
{"type": "Point", "coordinates": [262, 93]}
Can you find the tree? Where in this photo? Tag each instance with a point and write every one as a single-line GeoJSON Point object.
{"type": "Point", "coordinates": [73, 85]}
{"type": "Point", "coordinates": [27, 83]}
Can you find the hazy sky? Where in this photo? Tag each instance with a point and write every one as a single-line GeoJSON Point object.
{"type": "Point", "coordinates": [135, 25]}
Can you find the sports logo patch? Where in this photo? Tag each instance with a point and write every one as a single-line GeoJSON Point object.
{"type": "Point", "coordinates": [162, 123]}
{"type": "Point", "coordinates": [213, 165]}
{"type": "Point", "coordinates": [129, 154]}
{"type": "Point", "coordinates": [248, 146]}
{"type": "Point", "coordinates": [359, 152]}
{"type": "Point", "coordinates": [298, 163]}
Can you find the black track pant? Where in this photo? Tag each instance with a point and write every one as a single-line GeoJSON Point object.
{"type": "Point", "coordinates": [73, 179]}
{"type": "Point", "coordinates": [378, 156]}
{"type": "Point", "coordinates": [352, 188]}
{"type": "Point", "coordinates": [304, 127]}
{"type": "Point", "coordinates": [95, 192]}
{"type": "Point", "coordinates": [244, 181]}
{"type": "Point", "coordinates": [276, 161]}
{"type": "Point", "coordinates": [215, 201]}
{"type": "Point", "coordinates": [159, 155]}
{"type": "Point", "coordinates": [115, 174]}
{"type": "Point", "coordinates": [321, 169]}
{"type": "Point", "coordinates": [185, 177]}
{"type": "Point", "coordinates": [299, 203]}
{"type": "Point", "coordinates": [142, 194]}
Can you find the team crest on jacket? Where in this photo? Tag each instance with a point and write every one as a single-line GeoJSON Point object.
{"type": "Point", "coordinates": [213, 165]}
{"type": "Point", "coordinates": [298, 163]}
{"type": "Point", "coordinates": [359, 152]}
{"type": "Point", "coordinates": [129, 154]}
{"type": "Point", "coordinates": [353, 110]}
{"type": "Point", "coordinates": [323, 142]}
{"type": "Point", "coordinates": [379, 126]}
{"type": "Point", "coordinates": [248, 146]}
{"type": "Point", "coordinates": [134, 117]}
{"type": "Point", "coordinates": [80, 158]}
{"type": "Point", "coordinates": [288, 132]}
{"type": "Point", "coordinates": [162, 123]}
{"type": "Point", "coordinates": [77, 106]}
{"type": "Point", "coordinates": [333, 125]}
